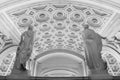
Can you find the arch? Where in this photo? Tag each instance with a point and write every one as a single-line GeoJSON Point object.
{"type": "Point", "coordinates": [56, 51]}
{"type": "Point", "coordinates": [77, 59]}
{"type": "Point", "coordinates": [65, 71]}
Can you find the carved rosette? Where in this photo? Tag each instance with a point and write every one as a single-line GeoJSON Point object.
{"type": "Point", "coordinates": [59, 26]}
{"type": "Point", "coordinates": [77, 17]}
{"type": "Point", "coordinates": [25, 21]}
{"type": "Point", "coordinates": [42, 17]}
{"type": "Point", "coordinates": [94, 21]}
{"type": "Point", "coordinates": [60, 15]}
{"type": "Point", "coordinates": [44, 27]}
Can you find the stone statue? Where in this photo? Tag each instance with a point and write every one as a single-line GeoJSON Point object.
{"type": "Point", "coordinates": [24, 49]}
{"type": "Point", "coordinates": [93, 48]}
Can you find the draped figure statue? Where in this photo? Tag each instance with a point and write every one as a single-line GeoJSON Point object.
{"type": "Point", "coordinates": [93, 48]}
{"type": "Point", "coordinates": [24, 49]}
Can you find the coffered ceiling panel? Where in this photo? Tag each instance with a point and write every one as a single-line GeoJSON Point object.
{"type": "Point", "coordinates": [53, 12]}
{"type": "Point", "coordinates": [58, 24]}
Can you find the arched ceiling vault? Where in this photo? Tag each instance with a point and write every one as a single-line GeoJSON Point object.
{"type": "Point", "coordinates": [104, 19]}
{"type": "Point", "coordinates": [110, 6]}
{"type": "Point", "coordinates": [58, 23]}
{"type": "Point", "coordinates": [12, 13]}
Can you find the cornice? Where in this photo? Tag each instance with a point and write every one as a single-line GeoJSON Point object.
{"type": "Point", "coordinates": [109, 3]}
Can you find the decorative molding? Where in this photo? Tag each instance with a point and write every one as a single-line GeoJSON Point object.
{"type": "Point", "coordinates": [9, 29]}
{"type": "Point", "coordinates": [10, 3]}
{"type": "Point", "coordinates": [59, 26]}
{"type": "Point", "coordinates": [7, 61]}
{"type": "Point", "coordinates": [112, 58]}
{"type": "Point", "coordinates": [111, 3]}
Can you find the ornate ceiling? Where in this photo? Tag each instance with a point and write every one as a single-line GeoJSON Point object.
{"type": "Point", "coordinates": [58, 26]}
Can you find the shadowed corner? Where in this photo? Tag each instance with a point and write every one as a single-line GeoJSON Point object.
{"type": "Point", "coordinates": [101, 75]}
